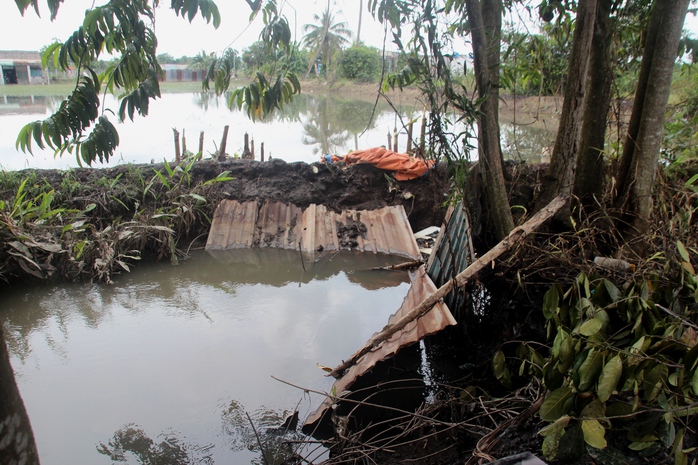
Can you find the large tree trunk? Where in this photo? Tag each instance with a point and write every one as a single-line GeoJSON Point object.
{"type": "Point", "coordinates": [638, 164]}
{"type": "Point", "coordinates": [589, 179]}
{"type": "Point", "coordinates": [559, 178]}
{"type": "Point", "coordinates": [488, 128]}
{"type": "Point", "coordinates": [17, 444]}
{"type": "Point", "coordinates": [492, 20]}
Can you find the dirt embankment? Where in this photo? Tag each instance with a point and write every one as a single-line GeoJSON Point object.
{"type": "Point", "coordinates": [337, 186]}
{"type": "Point", "coordinates": [89, 223]}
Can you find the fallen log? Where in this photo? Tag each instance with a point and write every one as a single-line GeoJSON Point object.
{"type": "Point", "coordinates": [459, 281]}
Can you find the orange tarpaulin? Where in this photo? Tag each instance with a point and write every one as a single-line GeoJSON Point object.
{"type": "Point", "coordinates": [403, 165]}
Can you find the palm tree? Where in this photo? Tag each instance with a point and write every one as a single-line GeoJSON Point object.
{"type": "Point", "coordinates": [325, 38]}
{"type": "Point", "coordinates": [202, 60]}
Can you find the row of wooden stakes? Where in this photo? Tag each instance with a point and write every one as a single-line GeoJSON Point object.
{"type": "Point", "coordinates": [247, 152]}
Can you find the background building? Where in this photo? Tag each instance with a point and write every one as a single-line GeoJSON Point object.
{"type": "Point", "coordinates": [21, 67]}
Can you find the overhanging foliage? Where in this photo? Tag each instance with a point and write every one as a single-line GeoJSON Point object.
{"type": "Point", "coordinates": [125, 28]}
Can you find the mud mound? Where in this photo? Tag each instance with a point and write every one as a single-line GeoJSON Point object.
{"type": "Point", "coordinates": [337, 186]}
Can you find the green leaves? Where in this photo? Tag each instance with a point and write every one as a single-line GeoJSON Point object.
{"type": "Point", "coordinates": [594, 433]}
{"type": "Point", "coordinates": [610, 376]}
{"type": "Point", "coordinates": [138, 100]}
{"type": "Point", "coordinates": [553, 434]}
{"type": "Point", "coordinates": [654, 379]}
{"type": "Point", "coordinates": [65, 127]}
{"type": "Point", "coordinates": [591, 327]}
{"type": "Point", "coordinates": [551, 301]}
{"type": "Point", "coordinates": [499, 367]}
{"type": "Point", "coordinates": [557, 404]}
{"type": "Point", "coordinates": [120, 28]}
{"type": "Point", "coordinates": [590, 368]}
{"type": "Point", "coordinates": [189, 8]}
{"type": "Point", "coordinates": [619, 354]}
{"type": "Point", "coordinates": [261, 97]}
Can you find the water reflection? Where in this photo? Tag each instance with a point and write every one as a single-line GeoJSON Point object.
{"type": "Point", "coordinates": [270, 436]}
{"type": "Point", "coordinates": [249, 266]}
{"type": "Point", "coordinates": [528, 143]}
{"type": "Point", "coordinates": [322, 129]}
{"type": "Point", "coordinates": [310, 125]}
{"type": "Point", "coordinates": [181, 349]}
{"type": "Point", "coordinates": [29, 104]}
{"type": "Point", "coordinates": [131, 440]}
{"type": "Point", "coordinates": [263, 431]}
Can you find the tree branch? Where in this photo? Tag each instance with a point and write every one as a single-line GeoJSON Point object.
{"type": "Point", "coordinates": [459, 281]}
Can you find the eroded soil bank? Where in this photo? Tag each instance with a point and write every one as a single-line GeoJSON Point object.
{"type": "Point", "coordinates": [87, 223]}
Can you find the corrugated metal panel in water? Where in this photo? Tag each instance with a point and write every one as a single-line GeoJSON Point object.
{"type": "Point", "coordinates": [281, 225]}
{"type": "Point", "coordinates": [432, 322]}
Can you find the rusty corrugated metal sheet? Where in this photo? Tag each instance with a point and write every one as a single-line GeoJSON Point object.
{"type": "Point", "coordinates": [281, 225]}
{"type": "Point", "coordinates": [437, 319]}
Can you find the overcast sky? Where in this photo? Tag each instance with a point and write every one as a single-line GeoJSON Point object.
{"type": "Point", "coordinates": [177, 37]}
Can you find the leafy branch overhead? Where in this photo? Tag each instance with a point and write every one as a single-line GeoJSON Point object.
{"type": "Point", "coordinates": [124, 28]}
{"type": "Point", "coordinates": [263, 94]}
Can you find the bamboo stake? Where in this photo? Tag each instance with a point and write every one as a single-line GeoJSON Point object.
{"type": "Point", "coordinates": [224, 141]}
{"type": "Point", "coordinates": [261, 150]}
{"type": "Point", "coordinates": [422, 132]}
{"type": "Point", "coordinates": [252, 148]}
{"type": "Point", "coordinates": [300, 251]}
{"type": "Point", "coordinates": [184, 141]}
{"type": "Point", "coordinates": [395, 139]}
{"type": "Point", "coordinates": [178, 154]}
{"type": "Point", "coordinates": [409, 136]}
{"type": "Point", "coordinates": [201, 145]}
{"type": "Point", "coordinates": [246, 148]}
{"type": "Point", "coordinates": [390, 140]}
{"type": "Point", "coordinates": [432, 299]}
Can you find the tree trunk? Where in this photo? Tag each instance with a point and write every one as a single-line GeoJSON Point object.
{"type": "Point", "coordinates": [488, 129]}
{"type": "Point", "coordinates": [17, 444]}
{"type": "Point", "coordinates": [358, 29]}
{"type": "Point", "coordinates": [559, 178]}
{"type": "Point", "coordinates": [492, 20]}
{"type": "Point", "coordinates": [638, 165]}
{"type": "Point", "coordinates": [589, 179]}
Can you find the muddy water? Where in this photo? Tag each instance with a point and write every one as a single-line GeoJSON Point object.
{"type": "Point", "coordinates": [312, 125]}
{"type": "Point", "coordinates": [170, 361]}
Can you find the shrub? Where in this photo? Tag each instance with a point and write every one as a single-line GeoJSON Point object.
{"type": "Point", "coordinates": [361, 63]}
